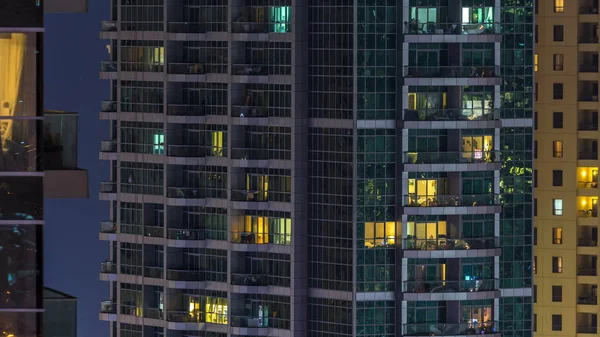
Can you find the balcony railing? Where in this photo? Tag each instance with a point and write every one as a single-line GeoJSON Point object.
{"type": "Point", "coordinates": [588, 68]}
{"type": "Point", "coordinates": [260, 196]}
{"type": "Point", "coordinates": [195, 151]}
{"type": "Point", "coordinates": [184, 316]}
{"type": "Point", "coordinates": [252, 154]}
{"type": "Point", "coordinates": [588, 10]}
{"type": "Point", "coordinates": [109, 66]}
{"type": "Point", "coordinates": [587, 126]}
{"type": "Point", "coordinates": [587, 299]}
{"type": "Point", "coordinates": [587, 271]}
{"type": "Point", "coordinates": [452, 115]}
{"type": "Point", "coordinates": [108, 307]}
{"type": "Point", "coordinates": [250, 321]}
{"type": "Point", "coordinates": [186, 68]}
{"type": "Point", "coordinates": [185, 234]}
{"type": "Point", "coordinates": [587, 329]}
{"type": "Point", "coordinates": [450, 243]}
{"type": "Point", "coordinates": [588, 156]}
{"type": "Point", "coordinates": [587, 243]}
{"type": "Point", "coordinates": [154, 272]}
{"type": "Point", "coordinates": [154, 231]}
{"type": "Point", "coordinates": [186, 27]}
{"type": "Point", "coordinates": [185, 275]}
{"type": "Point", "coordinates": [248, 111]}
{"type": "Point", "coordinates": [108, 106]}
{"type": "Point", "coordinates": [249, 280]}
{"type": "Point", "coordinates": [439, 28]}
{"type": "Point", "coordinates": [136, 229]}
{"type": "Point", "coordinates": [108, 267]}
{"type": "Point", "coordinates": [108, 146]}
{"type": "Point", "coordinates": [153, 313]}
{"type": "Point", "coordinates": [109, 26]}
{"type": "Point", "coordinates": [108, 187]}
{"type": "Point", "coordinates": [142, 67]}
{"type": "Point", "coordinates": [249, 69]}
{"type": "Point", "coordinates": [587, 213]}
{"type": "Point", "coordinates": [185, 192]}
{"type": "Point", "coordinates": [451, 157]}
{"type": "Point", "coordinates": [250, 27]}
{"type": "Point", "coordinates": [108, 227]}
{"type": "Point", "coordinates": [451, 71]}
{"type": "Point", "coordinates": [450, 329]}
{"type": "Point", "coordinates": [451, 286]}
{"type": "Point", "coordinates": [451, 200]}
{"type": "Point", "coordinates": [186, 110]}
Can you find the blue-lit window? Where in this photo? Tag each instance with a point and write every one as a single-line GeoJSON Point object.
{"type": "Point", "coordinates": [159, 144]}
{"type": "Point", "coordinates": [280, 18]}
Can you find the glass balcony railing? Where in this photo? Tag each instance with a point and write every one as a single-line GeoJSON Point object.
{"type": "Point", "coordinates": [439, 28]}
{"type": "Point", "coordinates": [184, 316]}
{"type": "Point", "coordinates": [185, 193]}
{"type": "Point", "coordinates": [451, 244]}
{"type": "Point", "coordinates": [108, 227]}
{"type": "Point", "coordinates": [250, 321]}
{"type": "Point", "coordinates": [587, 242]}
{"type": "Point", "coordinates": [587, 299]}
{"type": "Point", "coordinates": [249, 280]}
{"type": "Point", "coordinates": [108, 307]}
{"type": "Point", "coordinates": [587, 126]}
{"type": "Point", "coordinates": [108, 106]}
{"type": "Point", "coordinates": [589, 329]}
{"type": "Point", "coordinates": [186, 110]}
{"type": "Point", "coordinates": [185, 234]}
{"type": "Point", "coordinates": [451, 71]}
{"type": "Point", "coordinates": [451, 286]}
{"type": "Point", "coordinates": [587, 271]}
{"type": "Point", "coordinates": [108, 146]}
{"type": "Point", "coordinates": [195, 151]}
{"type": "Point", "coordinates": [154, 231]}
{"type": "Point", "coordinates": [186, 27]}
{"type": "Point", "coordinates": [250, 69]}
{"type": "Point", "coordinates": [587, 213]}
{"type": "Point", "coordinates": [108, 267]}
{"type": "Point", "coordinates": [244, 26]}
{"type": "Point", "coordinates": [109, 26]}
{"type": "Point", "coordinates": [108, 187]}
{"type": "Point", "coordinates": [451, 157]}
{"type": "Point", "coordinates": [187, 68]}
{"type": "Point", "coordinates": [451, 200]}
{"type": "Point", "coordinates": [249, 154]}
{"type": "Point", "coordinates": [450, 329]}
{"type": "Point", "coordinates": [154, 272]}
{"type": "Point", "coordinates": [109, 66]}
{"type": "Point", "coordinates": [247, 111]}
{"type": "Point", "coordinates": [153, 313]}
{"type": "Point", "coordinates": [260, 196]}
{"type": "Point", "coordinates": [185, 275]}
{"type": "Point", "coordinates": [451, 115]}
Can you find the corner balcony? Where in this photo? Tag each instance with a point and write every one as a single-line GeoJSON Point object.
{"type": "Point", "coordinates": [452, 161]}
{"type": "Point", "coordinates": [108, 227]}
{"type": "Point", "coordinates": [108, 70]}
{"type": "Point", "coordinates": [451, 75]}
{"type": "Point", "coordinates": [451, 204]}
{"type": "Point", "coordinates": [109, 26]}
{"type": "Point", "coordinates": [108, 307]}
{"type": "Point", "coordinates": [451, 290]}
{"type": "Point", "coordinates": [451, 329]}
{"type": "Point", "coordinates": [488, 118]}
{"type": "Point", "coordinates": [108, 267]}
{"type": "Point", "coordinates": [447, 248]}
{"type": "Point", "coordinates": [108, 190]}
{"type": "Point", "coordinates": [108, 110]}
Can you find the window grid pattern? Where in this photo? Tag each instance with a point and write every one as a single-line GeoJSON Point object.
{"type": "Point", "coordinates": [329, 318]}
{"type": "Point", "coordinates": [142, 178]}
{"type": "Point", "coordinates": [140, 96]}
{"type": "Point", "coordinates": [142, 137]}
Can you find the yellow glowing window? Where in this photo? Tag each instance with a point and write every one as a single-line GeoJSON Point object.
{"type": "Point", "coordinates": [535, 62]}
{"type": "Point", "coordinates": [380, 234]}
{"type": "Point", "coordinates": [257, 226]}
{"type": "Point", "coordinates": [535, 264]}
{"type": "Point", "coordinates": [216, 310]}
{"type": "Point", "coordinates": [557, 236]}
{"type": "Point", "coordinates": [559, 6]}
{"type": "Point", "coordinates": [217, 144]}
{"type": "Point", "coordinates": [557, 149]}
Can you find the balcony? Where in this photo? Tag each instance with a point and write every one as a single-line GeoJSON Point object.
{"type": "Point", "coordinates": [108, 106]}
{"type": "Point", "coordinates": [186, 27]}
{"type": "Point", "coordinates": [248, 111]}
{"type": "Point", "coordinates": [250, 321]}
{"type": "Point", "coordinates": [587, 32]}
{"type": "Point", "coordinates": [450, 329]}
{"type": "Point", "coordinates": [185, 234]}
{"type": "Point", "coordinates": [260, 196]}
{"type": "Point", "coordinates": [185, 193]}
{"type": "Point", "coordinates": [452, 157]}
{"type": "Point", "coordinates": [184, 316]}
{"type": "Point", "coordinates": [186, 110]}
{"type": "Point", "coordinates": [451, 115]}
{"type": "Point", "coordinates": [450, 244]}
{"type": "Point", "coordinates": [451, 71]}
{"type": "Point", "coordinates": [451, 286]}
{"type": "Point", "coordinates": [108, 227]}
{"type": "Point", "coordinates": [108, 146]}
{"type": "Point", "coordinates": [587, 149]}
{"type": "Point", "coordinates": [108, 267]}
{"type": "Point", "coordinates": [587, 120]}
{"type": "Point", "coordinates": [588, 329]}
{"type": "Point", "coordinates": [587, 271]}
{"type": "Point", "coordinates": [249, 280]}
{"type": "Point", "coordinates": [154, 231]}
{"type": "Point", "coordinates": [108, 187]}
{"type": "Point", "coordinates": [451, 200]}
{"type": "Point", "coordinates": [154, 272]}
{"type": "Point", "coordinates": [185, 275]}
{"type": "Point", "coordinates": [153, 313]}
{"type": "Point", "coordinates": [439, 28]}
{"type": "Point", "coordinates": [190, 150]}
{"type": "Point", "coordinates": [249, 69]}
{"type": "Point", "coordinates": [109, 26]}
{"type": "Point", "coordinates": [108, 307]}
{"type": "Point", "coordinates": [587, 294]}
{"type": "Point", "coordinates": [108, 66]}
{"type": "Point", "coordinates": [187, 68]}
{"type": "Point", "coordinates": [250, 154]}
{"type": "Point", "coordinates": [588, 6]}
{"type": "Point", "coordinates": [258, 19]}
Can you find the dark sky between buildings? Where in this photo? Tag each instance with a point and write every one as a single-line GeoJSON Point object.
{"type": "Point", "coordinates": [72, 251]}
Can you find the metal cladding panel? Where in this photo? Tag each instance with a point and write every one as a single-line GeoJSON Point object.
{"type": "Point", "coordinates": [21, 14]}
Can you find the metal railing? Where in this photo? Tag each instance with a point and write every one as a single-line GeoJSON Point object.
{"type": "Point", "coordinates": [451, 286]}
{"type": "Point", "coordinates": [109, 66]}
{"type": "Point", "coordinates": [250, 321]}
{"type": "Point", "coordinates": [588, 68]}
{"type": "Point", "coordinates": [185, 275]}
{"type": "Point", "coordinates": [249, 280]}
{"type": "Point", "coordinates": [451, 200]}
{"type": "Point", "coordinates": [249, 69]}
{"type": "Point", "coordinates": [108, 267]}
{"type": "Point", "coordinates": [142, 67]}
{"type": "Point", "coordinates": [587, 155]}
{"type": "Point", "coordinates": [131, 229]}
{"type": "Point", "coordinates": [108, 187]}
{"type": "Point", "coordinates": [260, 196]}
{"type": "Point", "coordinates": [250, 27]}
{"type": "Point", "coordinates": [588, 10]}
{"type": "Point", "coordinates": [108, 106]}
{"type": "Point", "coordinates": [108, 227]}
{"type": "Point", "coordinates": [154, 231]}
{"type": "Point", "coordinates": [108, 307]}
{"type": "Point", "coordinates": [153, 313]}
{"type": "Point", "coordinates": [109, 26]}
{"type": "Point", "coordinates": [186, 68]}
{"type": "Point", "coordinates": [451, 71]}
{"type": "Point", "coordinates": [154, 272]}
{"type": "Point", "coordinates": [184, 316]}
{"type": "Point", "coordinates": [249, 111]}
{"type": "Point", "coordinates": [445, 28]}
{"type": "Point", "coordinates": [450, 329]}
{"type": "Point", "coordinates": [451, 243]}
{"type": "Point", "coordinates": [185, 193]}
{"type": "Point", "coordinates": [195, 151]}
{"type": "Point", "coordinates": [587, 213]}
{"type": "Point", "coordinates": [186, 110]}
{"type": "Point", "coordinates": [587, 126]}
{"type": "Point", "coordinates": [185, 27]}
{"type": "Point", "coordinates": [252, 154]}
{"type": "Point", "coordinates": [185, 234]}
{"type": "Point", "coordinates": [108, 146]}
{"type": "Point", "coordinates": [452, 157]}
{"type": "Point", "coordinates": [487, 114]}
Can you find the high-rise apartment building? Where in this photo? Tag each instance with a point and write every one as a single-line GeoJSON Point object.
{"type": "Point", "coordinates": [60, 314]}
{"type": "Point", "coordinates": [319, 168]}
{"type": "Point", "coordinates": [566, 163]}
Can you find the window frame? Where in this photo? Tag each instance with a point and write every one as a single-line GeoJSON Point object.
{"type": "Point", "coordinates": [556, 210]}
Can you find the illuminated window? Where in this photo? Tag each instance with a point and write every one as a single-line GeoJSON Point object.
{"type": "Point", "coordinates": [256, 229]}
{"type": "Point", "coordinates": [216, 310]}
{"type": "Point", "coordinates": [426, 235]}
{"type": "Point", "coordinates": [557, 236]}
{"type": "Point", "coordinates": [535, 62]}
{"type": "Point", "coordinates": [217, 144]}
{"type": "Point", "coordinates": [280, 19]}
{"type": "Point", "coordinates": [557, 149]}
{"type": "Point", "coordinates": [535, 264]}
{"type": "Point", "coordinates": [558, 62]}
{"type": "Point", "coordinates": [557, 264]}
{"type": "Point", "coordinates": [559, 6]}
{"type": "Point", "coordinates": [159, 144]}
{"type": "Point", "coordinates": [424, 192]}
{"type": "Point", "coordinates": [380, 234]}
{"type": "Point", "coordinates": [280, 231]}
{"type": "Point", "coordinates": [557, 207]}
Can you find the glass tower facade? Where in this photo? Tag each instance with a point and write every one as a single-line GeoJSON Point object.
{"type": "Point", "coordinates": [319, 168]}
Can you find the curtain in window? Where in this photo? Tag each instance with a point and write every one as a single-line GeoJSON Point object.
{"type": "Point", "coordinates": [12, 53]}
